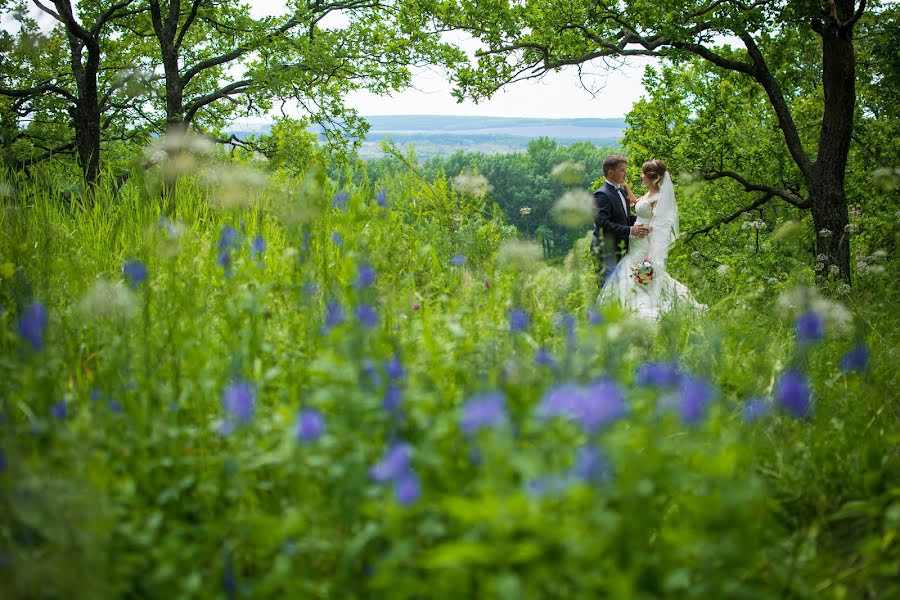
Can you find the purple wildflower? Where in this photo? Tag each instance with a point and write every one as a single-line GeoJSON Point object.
{"type": "Point", "coordinates": [754, 409]}
{"type": "Point", "coordinates": [337, 239]}
{"type": "Point", "coordinates": [657, 374]}
{"type": "Point", "coordinates": [458, 260]}
{"type": "Point", "coordinates": [304, 244]}
{"type": "Point", "coordinates": [60, 410]}
{"type": "Point", "coordinates": [135, 273]}
{"type": "Point", "coordinates": [590, 465]}
{"type": "Point", "coordinates": [393, 464]}
{"type": "Point", "coordinates": [310, 289]}
{"type": "Point", "coordinates": [258, 245]}
{"type": "Point", "coordinates": [334, 315]}
{"type": "Point", "coordinates": [224, 260]}
{"type": "Point", "coordinates": [310, 425]}
{"type": "Point", "coordinates": [365, 276]}
{"type": "Point", "coordinates": [518, 320]}
{"type": "Point", "coordinates": [695, 397]}
{"type": "Point", "coordinates": [546, 485]}
{"type": "Point", "coordinates": [594, 317]}
{"type": "Point", "coordinates": [567, 323]}
{"type": "Point", "coordinates": [407, 488]}
{"type": "Point", "coordinates": [368, 368]}
{"type": "Point", "coordinates": [393, 397]}
{"type": "Point", "coordinates": [809, 327]}
{"type": "Point", "coordinates": [792, 394]}
{"type": "Point", "coordinates": [237, 400]}
{"type": "Point", "coordinates": [599, 405]}
{"type": "Point", "coordinates": [381, 198]}
{"type": "Point", "coordinates": [562, 401]}
{"type": "Point", "coordinates": [228, 239]}
{"type": "Point", "coordinates": [33, 323]}
{"type": "Point", "coordinates": [394, 369]}
{"type": "Point", "coordinates": [543, 357]}
{"type": "Point", "coordinates": [340, 200]}
{"type": "Point", "coordinates": [366, 315]}
{"type": "Point", "coordinates": [856, 359]}
{"type": "Point", "coordinates": [484, 411]}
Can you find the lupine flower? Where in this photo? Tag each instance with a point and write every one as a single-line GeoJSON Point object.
{"type": "Point", "coordinates": [590, 465]}
{"type": "Point", "coordinates": [228, 239]}
{"type": "Point", "coordinates": [135, 273]}
{"type": "Point", "coordinates": [567, 322]}
{"type": "Point", "coordinates": [114, 405]}
{"type": "Point", "coordinates": [395, 369]}
{"type": "Point", "coordinates": [304, 244]}
{"type": "Point", "coordinates": [32, 325]}
{"type": "Point", "coordinates": [599, 405]}
{"type": "Point", "coordinates": [485, 411]}
{"type": "Point", "coordinates": [394, 464]}
{"type": "Point", "coordinates": [393, 397]}
{"type": "Point", "coordinates": [96, 395]}
{"type": "Point", "coordinates": [754, 409]}
{"type": "Point", "coordinates": [310, 288]}
{"type": "Point", "coordinates": [60, 410]}
{"type": "Point", "coordinates": [368, 368]}
{"type": "Point", "coordinates": [657, 374]}
{"type": "Point", "coordinates": [334, 315]}
{"type": "Point", "coordinates": [792, 394]}
{"type": "Point", "coordinates": [310, 425]}
{"type": "Point", "coordinates": [258, 245]}
{"type": "Point", "coordinates": [365, 276]}
{"type": "Point", "coordinates": [458, 260]}
{"type": "Point", "coordinates": [337, 239]}
{"type": "Point", "coordinates": [518, 320]}
{"type": "Point", "coordinates": [407, 488]}
{"type": "Point", "coordinates": [695, 397]}
{"type": "Point", "coordinates": [543, 357]}
{"type": "Point", "coordinates": [809, 327]}
{"type": "Point", "coordinates": [542, 486]}
{"type": "Point", "coordinates": [381, 198]}
{"type": "Point", "coordinates": [224, 260]}
{"type": "Point", "coordinates": [340, 200]}
{"type": "Point", "coordinates": [237, 400]}
{"type": "Point", "coordinates": [856, 359]}
{"type": "Point", "coordinates": [366, 315]}
{"type": "Point", "coordinates": [561, 401]}
{"type": "Point", "coordinates": [594, 317]}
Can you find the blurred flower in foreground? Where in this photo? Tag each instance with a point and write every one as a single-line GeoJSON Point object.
{"type": "Point", "coordinates": [458, 260]}
{"type": "Point", "coordinates": [108, 299]}
{"type": "Point", "coordinates": [337, 239]}
{"type": "Point", "coordinates": [365, 276]}
{"type": "Point", "coordinates": [484, 411]}
{"type": "Point", "coordinates": [334, 316]}
{"type": "Point", "coordinates": [258, 245]}
{"type": "Point", "coordinates": [542, 486]}
{"type": "Point", "coordinates": [519, 255]}
{"type": "Point", "coordinates": [381, 198]}
{"type": "Point", "coordinates": [234, 185]}
{"type": "Point", "coordinates": [574, 209]}
{"type": "Point", "coordinates": [857, 359]}
{"type": "Point", "coordinates": [657, 374]}
{"type": "Point", "coordinates": [366, 315]}
{"type": "Point", "coordinates": [310, 425]}
{"type": "Point", "coordinates": [340, 200]}
{"type": "Point", "coordinates": [809, 327]}
{"type": "Point", "coordinates": [393, 397]}
{"type": "Point", "coordinates": [32, 324]}
{"type": "Point", "coordinates": [518, 320]}
{"type": "Point", "coordinates": [543, 357]}
{"type": "Point", "coordinates": [754, 409]}
{"type": "Point", "coordinates": [237, 400]}
{"type": "Point", "coordinates": [591, 466]}
{"type": "Point", "coordinates": [394, 369]}
{"type": "Point", "coordinates": [59, 410]}
{"type": "Point", "coordinates": [696, 396]}
{"type": "Point", "coordinates": [792, 394]}
{"type": "Point", "coordinates": [407, 488]}
{"type": "Point", "coordinates": [393, 464]}
{"type": "Point", "coordinates": [600, 405]}
{"type": "Point", "coordinates": [135, 273]}
{"type": "Point", "coordinates": [471, 184]}
{"type": "Point", "coordinates": [568, 173]}
{"type": "Point", "coordinates": [228, 238]}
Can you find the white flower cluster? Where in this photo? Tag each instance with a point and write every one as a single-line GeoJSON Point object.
{"type": "Point", "coordinates": [821, 259]}
{"type": "Point", "coordinates": [568, 173]}
{"type": "Point", "coordinates": [471, 184]}
{"type": "Point", "coordinates": [519, 254]}
{"type": "Point", "coordinates": [525, 211]}
{"type": "Point", "coordinates": [825, 233]}
{"type": "Point", "coordinates": [758, 225]}
{"type": "Point", "coordinates": [574, 209]}
{"type": "Point", "coordinates": [176, 153]}
{"type": "Point", "coordinates": [723, 270]}
{"type": "Point", "coordinates": [234, 186]}
{"type": "Point", "coordinates": [108, 300]}
{"type": "Point", "coordinates": [851, 228]}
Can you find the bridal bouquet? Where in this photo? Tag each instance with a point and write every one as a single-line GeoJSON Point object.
{"type": "Point", "coordinates": [643, 272]}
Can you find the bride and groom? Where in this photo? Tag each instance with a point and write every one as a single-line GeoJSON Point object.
{"type": "Point", "coordinates": [632, 249]}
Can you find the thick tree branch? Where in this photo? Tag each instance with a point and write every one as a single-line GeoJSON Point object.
{"type": "Point", "coordinates": [786, 195]}
{"type": "Point", "coordinates": [195, 8]}
{"type": "Point", "coordinates": [37, 91]}
{"type": "Point", "coordinates": [198, 103]}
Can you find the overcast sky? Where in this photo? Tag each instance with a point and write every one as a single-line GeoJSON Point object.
{"type": "Point", "coordinates": [557, 95]}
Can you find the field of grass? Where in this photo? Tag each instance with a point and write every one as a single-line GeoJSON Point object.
{"type": "Point", "coordinates": [284, 389]}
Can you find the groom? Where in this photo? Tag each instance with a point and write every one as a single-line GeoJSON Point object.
{"type": "Point", "coordinates": [613, 221]}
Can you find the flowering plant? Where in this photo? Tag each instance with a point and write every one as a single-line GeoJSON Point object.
{"type": "Point", "coordinates": [643, 272]}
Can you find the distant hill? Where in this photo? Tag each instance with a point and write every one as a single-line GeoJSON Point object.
{"type": "Point", "coordinates": [443, 134]}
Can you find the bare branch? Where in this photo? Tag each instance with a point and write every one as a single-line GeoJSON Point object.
{"type": "Point", "coordinates": [786, 195]}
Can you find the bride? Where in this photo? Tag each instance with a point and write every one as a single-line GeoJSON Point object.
{"type": "Point", "coordinates": [640, 281]}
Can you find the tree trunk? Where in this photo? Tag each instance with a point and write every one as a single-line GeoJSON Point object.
{"type": "Point", "coordinates": [86, 117]}
{"type": "Point", "coordinates": [826, 185]}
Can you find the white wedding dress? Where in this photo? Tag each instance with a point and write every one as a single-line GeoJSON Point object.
{"type": "Point", "coordinates": [659, 212]}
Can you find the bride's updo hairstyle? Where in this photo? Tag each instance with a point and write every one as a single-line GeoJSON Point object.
{"type": "Point", "coordinates": [654, 170]}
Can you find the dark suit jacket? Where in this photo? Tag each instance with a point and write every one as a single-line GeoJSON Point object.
{"type": "Point", "coordinates": [612, 226]}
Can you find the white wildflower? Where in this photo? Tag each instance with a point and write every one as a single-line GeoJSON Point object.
{"type": "Point", "coordinates": [862, 267]}
{"type": "Point", "coordinates": [108, 300]}
{"type": "Point", "coordinates": [879, 255]}
{"type": "Point", "coordinates": [771, 280]}
{"type": "Point", "coordinates": [833, 270]}
{"type": "Point", "coordinates": [574, 209]}
{"type": "Point", "coordinates": [825, 233]}
{"type": "Point", "coordinates": [568, 173]}
{"type": "Point", "coordinates": [525, 211]}
{"type": "Point", "coordinates": [234, 186]}
{"type": "Point", "coordinates": [696, 255]}
{"type": "Point", "coordinates": [519, 254]}
{"type": "Point", "coordinates": [851, 228]}
{"type": "Point", "coordinates": [471, 184]}
{"type": "Point", "coordinates": [723, 270]}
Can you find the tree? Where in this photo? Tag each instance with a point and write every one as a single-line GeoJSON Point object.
{"type": "Point", "coordinates": [524, 40]}
{"type": "Point", "coordinates": [76, 87]}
